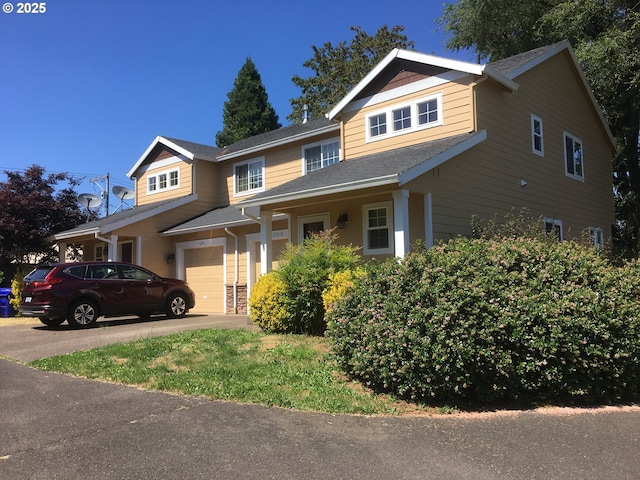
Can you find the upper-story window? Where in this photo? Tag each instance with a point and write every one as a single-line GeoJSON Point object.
{"type": "Point", "coordinates": [163, 181]}
{"type": "Point", "coordinates": [537, 143]}
{"type": "Point", "coordinates": [249, 176]}
{"type": "Point", "coordinates": [423, 113]}
{"type": "Point", "coordinates": [574, 165]}
{"type": "Point", "coordinates": [401, 119]}
{"type": "Point", "coordinates": [320, 155]}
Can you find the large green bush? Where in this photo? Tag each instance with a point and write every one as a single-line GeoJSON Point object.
{"type": "Point", "coordinates": [494, 320]}
{"type": "Point", "coordinates": [303, 274]}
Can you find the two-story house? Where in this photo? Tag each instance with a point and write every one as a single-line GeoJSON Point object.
{"type": "Point", "coordinates": [416, 149]}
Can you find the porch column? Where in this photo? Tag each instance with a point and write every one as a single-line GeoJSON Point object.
{"type": "Point", "coordinates": [401, 222]}
{"type": "Point", "coordinates": [62, 251]}
{"type": "Point", "coordinates": [113, 248]}
{"type": "Point", "coordinates": [266, 241]}
{"type": "Point", "coordinates": [428, 221]}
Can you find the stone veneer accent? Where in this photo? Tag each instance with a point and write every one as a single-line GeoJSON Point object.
{"type": "Point", "coordinates": [242, 299]}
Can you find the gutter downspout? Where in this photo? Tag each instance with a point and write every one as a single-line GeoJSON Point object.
{"type": "Point", "coordinates": [235, 273]}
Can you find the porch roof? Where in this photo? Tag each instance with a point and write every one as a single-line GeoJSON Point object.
{"type": "Point", "coordinates": [122, 219]}
{"type": "Point", "coordinates": [397, 166]}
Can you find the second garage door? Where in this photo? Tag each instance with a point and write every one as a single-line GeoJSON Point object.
{"type": "Point", "coordinates": [205, 275]}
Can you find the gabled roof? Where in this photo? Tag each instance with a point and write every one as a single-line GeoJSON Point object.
{"type": "Point", "coordinates": [124, 218]}
{"type": "Point", "coordinates": [446, 63]}
{"type": "Point", "coordinates": [397, 166]}
{"type": "Point", "coordinates": [189, 150]}
{"type": "Point", "coordinates": [280, 136]}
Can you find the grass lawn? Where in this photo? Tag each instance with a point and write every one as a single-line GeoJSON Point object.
{"type": "Point", "coordinates": [290, 371]}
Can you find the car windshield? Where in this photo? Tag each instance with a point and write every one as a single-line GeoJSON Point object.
{"type": "Point", "coordinates": [39, 273]}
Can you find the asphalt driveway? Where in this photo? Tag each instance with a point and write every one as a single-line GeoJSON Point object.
{"type": "Point", "coordinates": [54, 426]}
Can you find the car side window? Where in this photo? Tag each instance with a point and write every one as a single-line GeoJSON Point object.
{"type": "Point", "coordinates": [76, 271]}
{"type": "Point", "coordinates": [129, 272]}
{"type": "Point", "coordinates": [100, 272]}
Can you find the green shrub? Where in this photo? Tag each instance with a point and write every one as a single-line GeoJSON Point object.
{"type": "Point", "coordinates": [304, 271]}
{"type": "Point", "coordinates": [494, 320]}
{"type": "Point", "coordinates": [268, 304]}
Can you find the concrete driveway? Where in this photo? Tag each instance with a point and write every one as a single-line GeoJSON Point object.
{"type": "Point", "coordinates": [54, 426]}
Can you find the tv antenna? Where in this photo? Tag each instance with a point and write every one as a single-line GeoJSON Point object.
{"type": "Point", "coordinates": [123, 194]}
{"type": "Point", "coordinates": [89, 200]}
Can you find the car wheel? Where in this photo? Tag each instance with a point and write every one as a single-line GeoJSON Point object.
{"type": "Point", "coordinates": [51, 322]}
{"type": "Point", "coordinates": [83, 313]}
{"type": "Point", "coordinates": [176, 306]}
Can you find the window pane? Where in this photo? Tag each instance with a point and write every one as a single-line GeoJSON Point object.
{"type": "Point", "coordinates": [173, 179]}
{"type": "Point", "coordinates": [330, 153]}
{"type": "Point", "coordinates": [163, 180]}
{"type": "Point", "coordinates": [402, 118]}
{"type": "Point", "coordinates": [378, 125]}
{"type": "Point", "coordinates": [379, 238]}
{"type": "Point", "coordinates": [242, 178]}
{"type": "Point", "coordinates": [428, 112]}
{"type": "Point", "coordinates": [568, 145]}
{"type": "Point", "coordinates": [378, 217]}
{"type": "Point", "coordinates": [152, 184]}
{"type": "Point", "coordinates": [312, 158]}
{"type": "Point", "coordinates": [255, 175]}
{"type": "Point", "coordinates": [577, 157]}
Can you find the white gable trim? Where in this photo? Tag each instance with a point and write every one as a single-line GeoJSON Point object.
{"type": "Point", "coordinates": [163, 141]}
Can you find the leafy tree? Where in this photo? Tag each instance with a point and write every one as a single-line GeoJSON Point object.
{"type": "Point", "coordinates": [605, 35]}
{"type": "Point", "coordinates": [338, 69]}
{"type": "Point", "coordinates": [247, 111]}
{"type": "Point", "coordinates": [32, 210]}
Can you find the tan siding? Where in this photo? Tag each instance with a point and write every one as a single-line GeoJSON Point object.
{"type": "Point", "coordinates": [457, 118]}
{"type": "Point", "coordinates": [184, 188]}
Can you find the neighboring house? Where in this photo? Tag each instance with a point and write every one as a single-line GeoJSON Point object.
{"type": "Point", "coordinates": [412, 152]}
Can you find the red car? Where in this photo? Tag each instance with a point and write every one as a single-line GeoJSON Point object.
{"type": "Point", "coordinates": [83, 291]}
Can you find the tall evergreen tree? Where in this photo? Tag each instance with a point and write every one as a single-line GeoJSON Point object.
{"type": "Point", "coordinates": [338, 69]}
{"type": "Point", "coordinates": [247, 111]}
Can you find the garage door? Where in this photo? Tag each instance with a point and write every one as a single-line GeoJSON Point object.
{"type": "Point", "coordinates": [205, 276]}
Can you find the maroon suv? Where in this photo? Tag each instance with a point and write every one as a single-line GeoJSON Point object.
{"type": "Point", "coordinates": [81, 292]}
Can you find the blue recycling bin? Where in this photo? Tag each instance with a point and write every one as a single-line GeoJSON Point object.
{"type": "Point", "coordinates": [6, 309]}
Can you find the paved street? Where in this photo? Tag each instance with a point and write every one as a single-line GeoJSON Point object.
{"type": "Point", "coordinates": [54, 426]}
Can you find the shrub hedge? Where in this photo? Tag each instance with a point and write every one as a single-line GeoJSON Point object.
{"type": "Point", "coordinates": [482, 320]}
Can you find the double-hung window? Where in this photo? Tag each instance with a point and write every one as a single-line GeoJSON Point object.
{"type": "Point", "coordinates": [321, 155]}
{"type": "Point", "coordinates": [428, 112]}
{"type": "Point", "coordinates": [537, 144]}
{"type": "Point", "coordinates": [378, 228]}
{"type": "Point", "coordinates": [249, 177]}
{"type": "Point", "coordinates": [378, 125]}
{"type": "Point", "coordinates": [573, 156]}
{"type": "Point", "coordinates": [597, 236]}
{"type": "Point", "coordinates": [401, 119]}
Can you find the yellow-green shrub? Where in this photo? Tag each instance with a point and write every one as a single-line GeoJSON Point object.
{"type": "Point", "coordinates": [269, 304]}
{"type": "Point", "coordinates": [340, 283]}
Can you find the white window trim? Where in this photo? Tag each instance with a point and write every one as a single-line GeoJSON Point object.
{"type": "Point", "coordinates": [320, 144]}
{"type": "Point", "coordinates": [564, 149]}
{"type": "Point", "coordinates": [414, 118]}
{"type": "Point", "coordinates": [365, 229]}
{"type": "Point", "coordinates": [235, 177]}
{"type": "Point", "coordinates": [597, 236]}
{"type": "Point", "coordinates": [325, 218]}
{"type": "Point", "coordinates": [556, 223]}
{"type": "Point", "coordinates": [157, 183]}
{"type": "Point", "coordinates": [540, 152]}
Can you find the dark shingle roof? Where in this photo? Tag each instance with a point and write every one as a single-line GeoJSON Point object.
{"type": "Point", "coordinates": [383, 167]}
{"type": "Point", "coordinates": [220, 217]}
{"type": "Point", "coordinates": [510, 66]}
{"type": "Point", "coordinates": [279, 134]}
{"type": "Point", "coordinates": [205, 152]}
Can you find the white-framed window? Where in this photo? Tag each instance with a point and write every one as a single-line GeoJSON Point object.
{"type": "Point", "coordinates": [162, 181]}
{"type": "Point", "coordinates": [101, 253]}
{"type": "Point", "coordinates": [597, 236]}
{"type": "Point", "coordinates": [248, 176]}
{"type": "Point", "coordinates": [401, 119]}
{"type": "Point", "coordinates": [573, 157]}
{"type": "Point", "coordinates": [312, 224]}
{"type": "Point", "coordinates": [425, 112]}
{"type": "Point", "coordinates": [377, 228]}
{"type": "Point", "coordinates": [553, 227]}
{"type": "Point", "coordinates": [537, 138]}
{"type": "Point", "coordinates": [377, 125]}
{"type": "Point", "coordinates": [320, 155]}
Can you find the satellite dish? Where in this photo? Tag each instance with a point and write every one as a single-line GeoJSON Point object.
{"type": "Point", "coordinates": [89, 200]}
{"type": "Point", "coordinates": [123, 193]}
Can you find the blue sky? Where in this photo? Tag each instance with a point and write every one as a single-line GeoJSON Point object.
{"type": "Point", "coordinates": [86, 86]}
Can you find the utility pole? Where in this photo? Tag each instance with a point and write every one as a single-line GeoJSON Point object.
{"type": "Point", "coordinates": [104, 191]}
